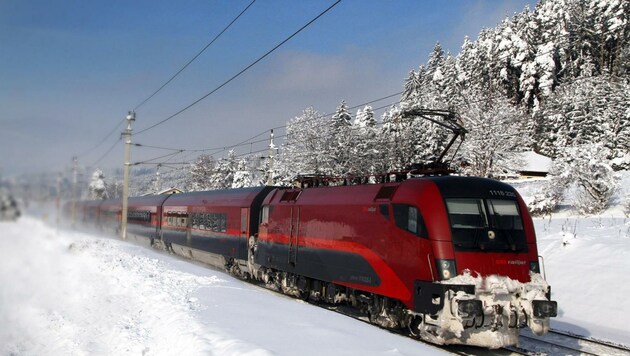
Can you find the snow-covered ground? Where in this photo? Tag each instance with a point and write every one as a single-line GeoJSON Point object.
{"type": "Point", "coordinates": [71, 293]}
{"type": "Point", "coordinates": [587, 264]}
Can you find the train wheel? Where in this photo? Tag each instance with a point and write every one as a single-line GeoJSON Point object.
{"type": "Point", "coordinates": [331, 291]}
{"type": "Point", "coordinates": [414, 326]}
{"type": "Point", "coordinates": [303, 286]}
{"type": "Point", "coordinates": [375, 309]}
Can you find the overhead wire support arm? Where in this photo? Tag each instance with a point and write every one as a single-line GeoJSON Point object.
{"type": "Point", "coordinates": [156, 158]}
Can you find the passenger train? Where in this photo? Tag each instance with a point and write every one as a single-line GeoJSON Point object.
{"type": "Point", "coordinates": [452, 260]}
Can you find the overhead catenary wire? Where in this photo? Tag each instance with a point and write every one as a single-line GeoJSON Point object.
{"type": "Point", "coordinates": [499, 95]}
{"type": "Point", "coordinates": [319, 137]}
{"type": "Point", "coordinates": [241, 72]}
{"type": "Point", "coordinates": [195, 57]}
{"type": "Point", "coordinates": [506, 55]}
{"type": "Point", "coordinates": [323, 124]}
{"type": "Point", "coordinates": [103, 140]}
{"type": "Point", "coordinates": [249, 140]}
{"type": "Point", "coordinates": [106, 153]}
{"type": "Point", "coordinates": [305, 153]}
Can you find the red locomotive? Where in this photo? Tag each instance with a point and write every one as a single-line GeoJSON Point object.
{"type": "Point", "coordinates": [451, 259]}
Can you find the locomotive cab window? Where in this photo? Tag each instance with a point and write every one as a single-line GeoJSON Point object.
{"type": "Point", "coordinates": [407, 217]}
{"type": "Point", "coordinates": [505, 214]}
{"type": "Point", "coordinates": [467, 213]}
{"type": "Point", "coordinates": [486, 225]}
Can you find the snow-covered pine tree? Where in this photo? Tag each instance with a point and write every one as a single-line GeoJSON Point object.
{"type": "Point", "coordinates": [388, 140]}
{"type": "Point", "coordinates": [243, 175]}
{"type": "Point", "coordinates": [412, 89]}
{"type": "Point", "coordinates": [201, 173]}
{"type": "Point", "coordinates": [305, 150]}
{"type": "Point", "coordinates": [114, 188]}
{"type": "Point", "coordinates": [578, 53]}
{"type": "Point", "coordinates": [595, 178]}
{"type": "Point", "coordinates": [341, 133]}
{"type": "Point", "coordinates": [224, 171]}
{"type": "Point", "coordinates": [585, 166]}
{"type": "Point", "coordinates": [495, 134]}
{"type": "Point", "coordinates": [9, 209]}
{"type": "Point", "coordinates": [364, 143]}
{"type": "Point", "coordinates": [97, 188]}
{"type": "Point", "coordinates": [591, 109]}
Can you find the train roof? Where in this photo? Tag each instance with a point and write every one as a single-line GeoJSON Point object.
{"type": "Point", "coordinates": [463, 187]}
{"type": "Point", "coordinates": [448, 186]}
{"type": "Point", "coordinates": [226, 197]}
{"type": "Point", "coordinates": [351, 194]}
{"type": "Point", "coordinates": [148, 200]}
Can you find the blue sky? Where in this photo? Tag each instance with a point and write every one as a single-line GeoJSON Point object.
{"type": "Point", "coordinates": [70, 70]}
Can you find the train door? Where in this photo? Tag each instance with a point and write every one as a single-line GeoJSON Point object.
{"type": "Point", "coordinates": [294, 234]}
{"type": "Point", "coordinates": [242, 246]}
{"type": "Point", "coordinates": [244, 220]}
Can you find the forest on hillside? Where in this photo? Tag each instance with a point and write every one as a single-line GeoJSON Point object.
{"type": "Point", "coordinates": [554, 80]}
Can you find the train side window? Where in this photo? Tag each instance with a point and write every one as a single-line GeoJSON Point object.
{"type": "Point", "coordinates": [407, 217]}
{"type": "Point", "coordinates": [264, 215]}
{"type": "Point", "coordinates": [384, 209]}
{"type": "Point", "coordinates": [412, 222]}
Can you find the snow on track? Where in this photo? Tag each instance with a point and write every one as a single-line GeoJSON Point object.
{"type": "Point", "coordinates": [70, 293]}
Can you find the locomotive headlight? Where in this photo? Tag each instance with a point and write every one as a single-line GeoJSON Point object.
{"type": "Point", "coordinates": [446, 269]}
{"type": "Point", "coordinates": [469, 308]}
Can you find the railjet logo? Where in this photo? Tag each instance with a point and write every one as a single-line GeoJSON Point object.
{"type": "Point", "coordinates": [511, 262]}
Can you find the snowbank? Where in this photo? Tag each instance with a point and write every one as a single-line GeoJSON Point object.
{"type": "Point", "coordinates": [68, 293]}
{"type": "Point", "coordinates": [587, 261]}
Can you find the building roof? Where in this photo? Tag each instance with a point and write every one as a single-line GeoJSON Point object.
{"type": "Point", "coordinates": [534, 162]}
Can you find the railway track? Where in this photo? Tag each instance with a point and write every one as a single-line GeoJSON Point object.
{"type": "Point", "coordinates": [558, 342]}
{"type": "Point", "coordinates": [554, 343]}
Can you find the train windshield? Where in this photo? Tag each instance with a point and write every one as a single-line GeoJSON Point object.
{"type": "Point", "coordinates": [504, 214]}
{"type": "Point", "coordinates": [467, 213]}
{"type": "Point", "coordinates": [486, 224]}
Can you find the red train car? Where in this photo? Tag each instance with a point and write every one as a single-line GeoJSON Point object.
{"type": "Point", "coordinates": [110, 212]}
{"type": "Point", "coordinates": [213, 226]}
{"type": "Point", "coordinates": [144, 217]}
